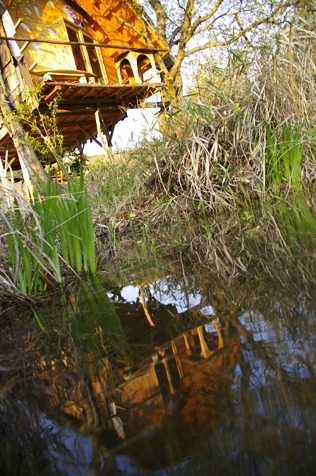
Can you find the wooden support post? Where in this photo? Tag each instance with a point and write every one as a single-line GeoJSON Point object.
{"type": "Point", "coordinates": [82, 157]}
{"type": "Point", "coordinates": [107, 133]}
{"type": "Point", "coordinates": [112, 130]}
{"type": "Point", "coordinates": [98, 124]}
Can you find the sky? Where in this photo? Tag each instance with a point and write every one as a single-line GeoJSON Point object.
{"type": "Point", "coordinates": [128, 131]}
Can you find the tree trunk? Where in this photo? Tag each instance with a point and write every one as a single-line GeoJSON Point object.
{"type": "Point", "coordinates": [17, 132]}
{"type": "Point", "coordinates": [171, 93]}
{"type": "Point", "coordinates": [19, 137]}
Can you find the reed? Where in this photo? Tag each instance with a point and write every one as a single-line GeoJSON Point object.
{"type": "Point", "coordinates": [240, 134]}
{"type": "Point", "coordinates": [47, 233]}
{"type": "Point", "coordinates": [69, 216]}
{"type": "Point", "coordinates": [32, 255]}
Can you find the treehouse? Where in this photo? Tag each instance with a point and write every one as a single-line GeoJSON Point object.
{"type": "Point", "coordinates": [86, 52]}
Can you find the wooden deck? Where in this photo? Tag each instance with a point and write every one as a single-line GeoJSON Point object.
{"type": "Point", "coordinates": [78, 105]}
{"type": "Point", "coordinates": [74, 91]}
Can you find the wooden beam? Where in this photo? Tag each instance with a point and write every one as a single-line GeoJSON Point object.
{"type": "Point", "coordinates": [52, 94]}
{"type": "Point", "coordinates": [86, 123]}
{"type": "Point", "coordinates": [71, 140]}
{"type": "Point", "coordinates": [77, 111]}
{"type": "Point", "coordinates": [114, 87]}
{"type": "Point", "coordinates": [138, 49]}
{"type": "Point", "coordinates": [80, 113]}
{"type": "Point", "coordinates": [26, 44]}
{"type": "Point", "coordinates": [95, 101]}
{"type": "Point", "coordinates": [72, 93]}
{"type": "Point", "coordinates": [117, 119]}
{"type": "Point", "coordinates": [18, 23]}
{"type": "Point", "coordinates": [89, 135]}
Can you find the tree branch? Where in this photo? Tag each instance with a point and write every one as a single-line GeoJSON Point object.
{"type": "Point", "coordinates": [186, 25]}
{"type": "Point", "coordinates": [129, 25]}
{"type": "Point", "coordinates": [173, 36]}
{"type": "Point", "coordinates": [212, 44]}
{"type": "Point", "coordinates": [204, 18]}
{"type": "Point", "coordinates": [144, 33]}
{"type": "Point", "coordinates": [161, 19]}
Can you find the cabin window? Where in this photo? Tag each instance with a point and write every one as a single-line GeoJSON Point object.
{"type": "Point", "coordinates": [76, 50]}
{"type": "Point", "coordinates": [142, 64]}
{"type": "Point", "coordinates": [93, 57]}
{"type": "Point", "coordinates": [87, 58]}
{"type": "Point", "coordinates": [127, 72]}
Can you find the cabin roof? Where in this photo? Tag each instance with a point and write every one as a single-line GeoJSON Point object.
{"type": "Point", "coordinates": [106, 13]}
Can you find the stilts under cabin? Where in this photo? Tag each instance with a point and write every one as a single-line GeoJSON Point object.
{"type": "Point", "coordinates": [83, 52]}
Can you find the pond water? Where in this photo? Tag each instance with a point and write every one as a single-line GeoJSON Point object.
{"type": "Point", "coordinates": [167, 371]}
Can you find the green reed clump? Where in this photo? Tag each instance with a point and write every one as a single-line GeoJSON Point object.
{"type": "Point", "coordinates": [50, 229]}
{"type": "Point", "coordinates": [33, 256]}
{"type": "Point", "coordinates": [69, 217]}
{"type": "Point", "coordinates": [284, 154]}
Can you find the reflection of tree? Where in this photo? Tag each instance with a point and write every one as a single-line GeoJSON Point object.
{"type": "Point", "coordinates": [26, 441]}
{"type": "Point", "coordinates": [266, 409]}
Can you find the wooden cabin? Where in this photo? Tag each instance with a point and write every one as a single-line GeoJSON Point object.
{"type": "Point", "coordinates": [82, 51]}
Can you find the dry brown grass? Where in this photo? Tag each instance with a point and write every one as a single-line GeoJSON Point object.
{"type": "Point", "coordinates": [215, 148]}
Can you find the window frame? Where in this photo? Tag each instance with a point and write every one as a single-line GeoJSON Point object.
{"type": "Point", "coordinates": [80, 32]}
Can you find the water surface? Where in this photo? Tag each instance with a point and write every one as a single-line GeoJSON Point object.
{"type": "Point", "coordinates": [167, 371]}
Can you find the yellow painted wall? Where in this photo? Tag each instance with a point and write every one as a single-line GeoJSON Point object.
{"type": "Point", "coordinates": [43, 19]}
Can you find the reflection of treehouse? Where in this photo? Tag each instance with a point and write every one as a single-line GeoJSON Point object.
{"type": "Point", "coordinates": [184, 378]}
{"type": "Point", "coordinates": [182, 362]}
{"type": "Point", "coordinates": [197, 344]}
{"type": "Point", "coordinates": [177, 360]}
